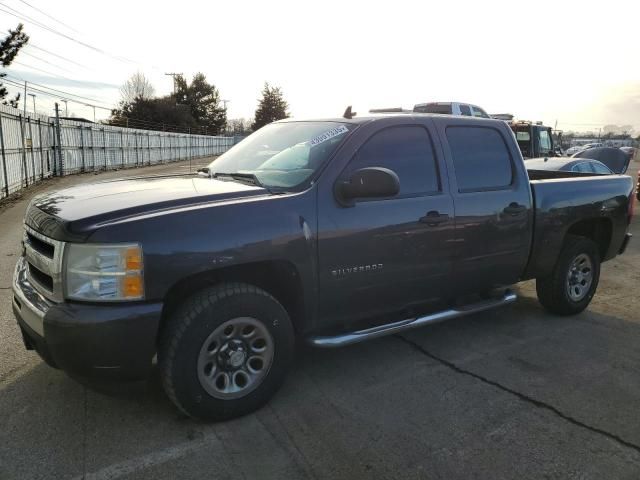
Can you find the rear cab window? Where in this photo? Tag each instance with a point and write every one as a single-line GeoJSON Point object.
{"type": "Point", "coordinates": [481, 158]}
{"type": "Point", "coordinates": [478, 112]}
{"type": "Point", "coordinates": [465, 110]}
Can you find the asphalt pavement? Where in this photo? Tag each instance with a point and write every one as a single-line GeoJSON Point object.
{"type": "Point", "coordinates": [514, 393]}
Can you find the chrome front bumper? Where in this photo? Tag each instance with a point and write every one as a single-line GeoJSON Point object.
{"type": "Point", "coordinates": [31, 305]}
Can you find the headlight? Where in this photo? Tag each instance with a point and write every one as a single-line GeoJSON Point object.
{"type": "Point", "coordinates": [103, 272]}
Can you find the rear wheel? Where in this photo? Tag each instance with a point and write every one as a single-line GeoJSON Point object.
{"type": "Point", "coordinates": [225, 351]}
{"type": "Point", "coordinates": [572, 284]}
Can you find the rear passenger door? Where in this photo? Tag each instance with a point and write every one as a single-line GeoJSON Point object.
{"type": "Point", "coordinates": [492, 202]}
{"type": "Point", "coordinates": [386, 254]}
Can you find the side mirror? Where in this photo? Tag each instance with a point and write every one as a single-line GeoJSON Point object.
{"type": "Point", "coordinates": [204, 172]}
{"type": "Point", "coordinates": [370, 182]}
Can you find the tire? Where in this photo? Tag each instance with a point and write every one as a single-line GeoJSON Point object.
{"type": "Point", "coordinates": [568, 290]}
{"type": "Point", "coordinates": [225, 351]}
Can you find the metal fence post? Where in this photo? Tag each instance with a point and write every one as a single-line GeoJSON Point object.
{"type": "Point", "coordinates": [81, 147]}
{"type": "Point", "coordinates": [4, 160]}
{"type": "Point", "coordinates": [41, 150]}
{"type": "Point", "coordinates": [148, 146]}
{"type": "Point", "coordinates": [33, 161]}
{"type": "Point", "coordinates": [122, 144]}
{"type": "Point", "coordinates": [135, 136]}
{"type": "Point", "coordinates": [57, 133]}
{"type": "Point", "coordinates": [104, 146]}
{"type": "Point", "coordinates": [25, 170]}
{"type": "Point", "coordinates": [92, 147]}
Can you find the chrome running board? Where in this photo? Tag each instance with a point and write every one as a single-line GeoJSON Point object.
{"type": "Point", "coordinates": [395, 327]}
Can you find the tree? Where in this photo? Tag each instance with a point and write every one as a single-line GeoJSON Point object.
{"type": "Point", "coordinates": [153, 114]}
{"type": "Point", "coordinates": [239, 126]}
{"type": "Point", "coordinates": [203, 101]}
{"type": "Point", "coordinates": [271, 107]}
{"type": "Point", "coordinates": [194, 106]}
{"type": "Point", "coordinates": [138, 86]}
{"type": "Point", "coordinates": [9, 48]}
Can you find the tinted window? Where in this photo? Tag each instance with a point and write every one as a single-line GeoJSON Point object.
{"type": "Point", "coordinates": [545, 142]}
{"type": "Point", "coordinates": [478, 112]}
{"type": "Point", "coordinates": [465, 110]}
{"type": "Point", "coordinates": [408, 151]}
{"type": "Point", "coordinates": [480, 158]}
{"type": "Point", "coordinates": [582, 167]}
{"type": "Point", "coordinates": [601, 168]}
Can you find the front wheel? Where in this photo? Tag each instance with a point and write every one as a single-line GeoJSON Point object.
{"type": "Point", "coordinates": [572, 284]}
{"type": "Point", "coordinates": [225, 351]}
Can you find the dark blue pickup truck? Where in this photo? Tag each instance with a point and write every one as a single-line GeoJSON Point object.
{"type": "Point", "coordinates": [326, 231]}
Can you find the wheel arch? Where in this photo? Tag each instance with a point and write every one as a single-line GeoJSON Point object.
{"type": "Point", "coordinates": [599, 230]}
{"type": "Point", "coordinates": [279, 278]}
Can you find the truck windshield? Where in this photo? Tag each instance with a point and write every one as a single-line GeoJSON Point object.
{"type": "Point", "coordinates": [283, 155]}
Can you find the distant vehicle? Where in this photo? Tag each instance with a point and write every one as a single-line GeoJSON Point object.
{"type": "Point", "coordinates": [534, 139]}
{"type": "Point", "coordinates": [631, 151]}
{"type": "Point", "coordinates": [451, 108]}
{"type": "Point", "coordinates": [612, 157]}
{"type": "Point", "coordinates": [566, 164]}
{"type": "Point", "coordinates": [507, 117]}
{"type": "Point", "coordinates": [390, 110]}
{"type": "Point", "coordinates": [579, 148]}
{"type": "Point", "coordinates": [573, 150]}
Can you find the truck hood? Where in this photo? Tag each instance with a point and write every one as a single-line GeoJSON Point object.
{"type": "Point", "coordinates": [75, 212]}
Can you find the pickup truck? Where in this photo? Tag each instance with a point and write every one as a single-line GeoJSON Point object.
{"type": "Point", "coordinates": [324, 231]}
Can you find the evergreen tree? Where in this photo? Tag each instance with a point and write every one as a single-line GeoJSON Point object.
{"type": "Point", "coordinates": [203, 101]}
{"type": "Point", "coordinates": [9, 48]}
{"type": "Point", "coordinates": [271, 107]}
{"type": "Point", "coordinates": [194, 105]}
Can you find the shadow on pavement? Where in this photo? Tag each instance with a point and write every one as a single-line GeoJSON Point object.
{"type": "Point", "coordinates": [382, 409]}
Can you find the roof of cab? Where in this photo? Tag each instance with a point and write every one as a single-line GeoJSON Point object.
{"type": "Point", "coordinates": [369, 117]}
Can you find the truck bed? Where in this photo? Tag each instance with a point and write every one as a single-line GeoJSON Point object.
{"type": "Point", "coordinates": [550, 174]}
{"type": "Point", "coordinates": [571, 200]}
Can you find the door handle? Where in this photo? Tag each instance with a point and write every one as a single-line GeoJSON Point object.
{"type": "Point", "coordinates": [434, 218]}
{"type": "Point", "coordinates": [514, 208]}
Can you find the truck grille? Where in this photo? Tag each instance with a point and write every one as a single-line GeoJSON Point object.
{"type": "Point", "coordinates": [44, 257]}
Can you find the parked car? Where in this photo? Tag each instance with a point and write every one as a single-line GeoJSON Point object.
{"type": "Point", "coordinates": [630, 151]}
{"type": "Point", "coordinates": [451, 108]}
{"type": "Point", "coordinates": [573, 150]}
{"type": "Point", "coordinates": [329, 231]}
{"type": "Point", "coordinates": [614, 158]}
{"type": "Point", "coordinates": [579, 148]}
{"type": "Point", "coordinates": [565, 164]}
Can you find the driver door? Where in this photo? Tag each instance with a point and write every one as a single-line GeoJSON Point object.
{"type": "Point", "coordinates": [386, 254]}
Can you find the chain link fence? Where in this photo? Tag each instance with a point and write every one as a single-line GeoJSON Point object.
{"type": "Point", "coordinates": [35, 147]}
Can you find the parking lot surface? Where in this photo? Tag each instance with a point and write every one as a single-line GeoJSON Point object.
{"type": "Point", "coordinates": [513, 393]}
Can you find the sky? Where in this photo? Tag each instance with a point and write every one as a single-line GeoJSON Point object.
{"type": "Point", "coordinates": [574, 64]}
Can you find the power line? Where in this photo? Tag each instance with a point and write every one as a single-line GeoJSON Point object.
{"type": "Point", "coordinates": [26, 18]}
{"type": "Point", "coordinates": [49, 16]}
{"type": "Point", "coordinates": [51, 88]}
{"type": "Point", "coordinates": [31, 45]}
{"type": "Point", "coordinates": [20, 81]}
{"type": "Point", "coordinates": [45, 61]}
{"type": "Point", "coordinates": [39, 69]}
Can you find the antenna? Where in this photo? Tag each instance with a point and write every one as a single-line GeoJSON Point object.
{"type": "Point", "coordinates": [348, 113]}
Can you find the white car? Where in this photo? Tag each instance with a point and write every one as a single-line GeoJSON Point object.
{"type": "Point", "coordinates": [579, 148]}
{"type": "Point", "coordinates": [451, 108]}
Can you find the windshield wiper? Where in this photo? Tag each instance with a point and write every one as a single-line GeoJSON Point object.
{"type": "Point", "coordinates": [249, 178]}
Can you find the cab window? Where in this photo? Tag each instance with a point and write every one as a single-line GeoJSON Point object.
{"type": "Point", "coordinates": [408, 151]}
{"type": "Point", "coordinates": [545, 142]}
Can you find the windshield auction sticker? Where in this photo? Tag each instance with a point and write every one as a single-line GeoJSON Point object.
{"type": "Point", "coordinates": [328, 135]}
